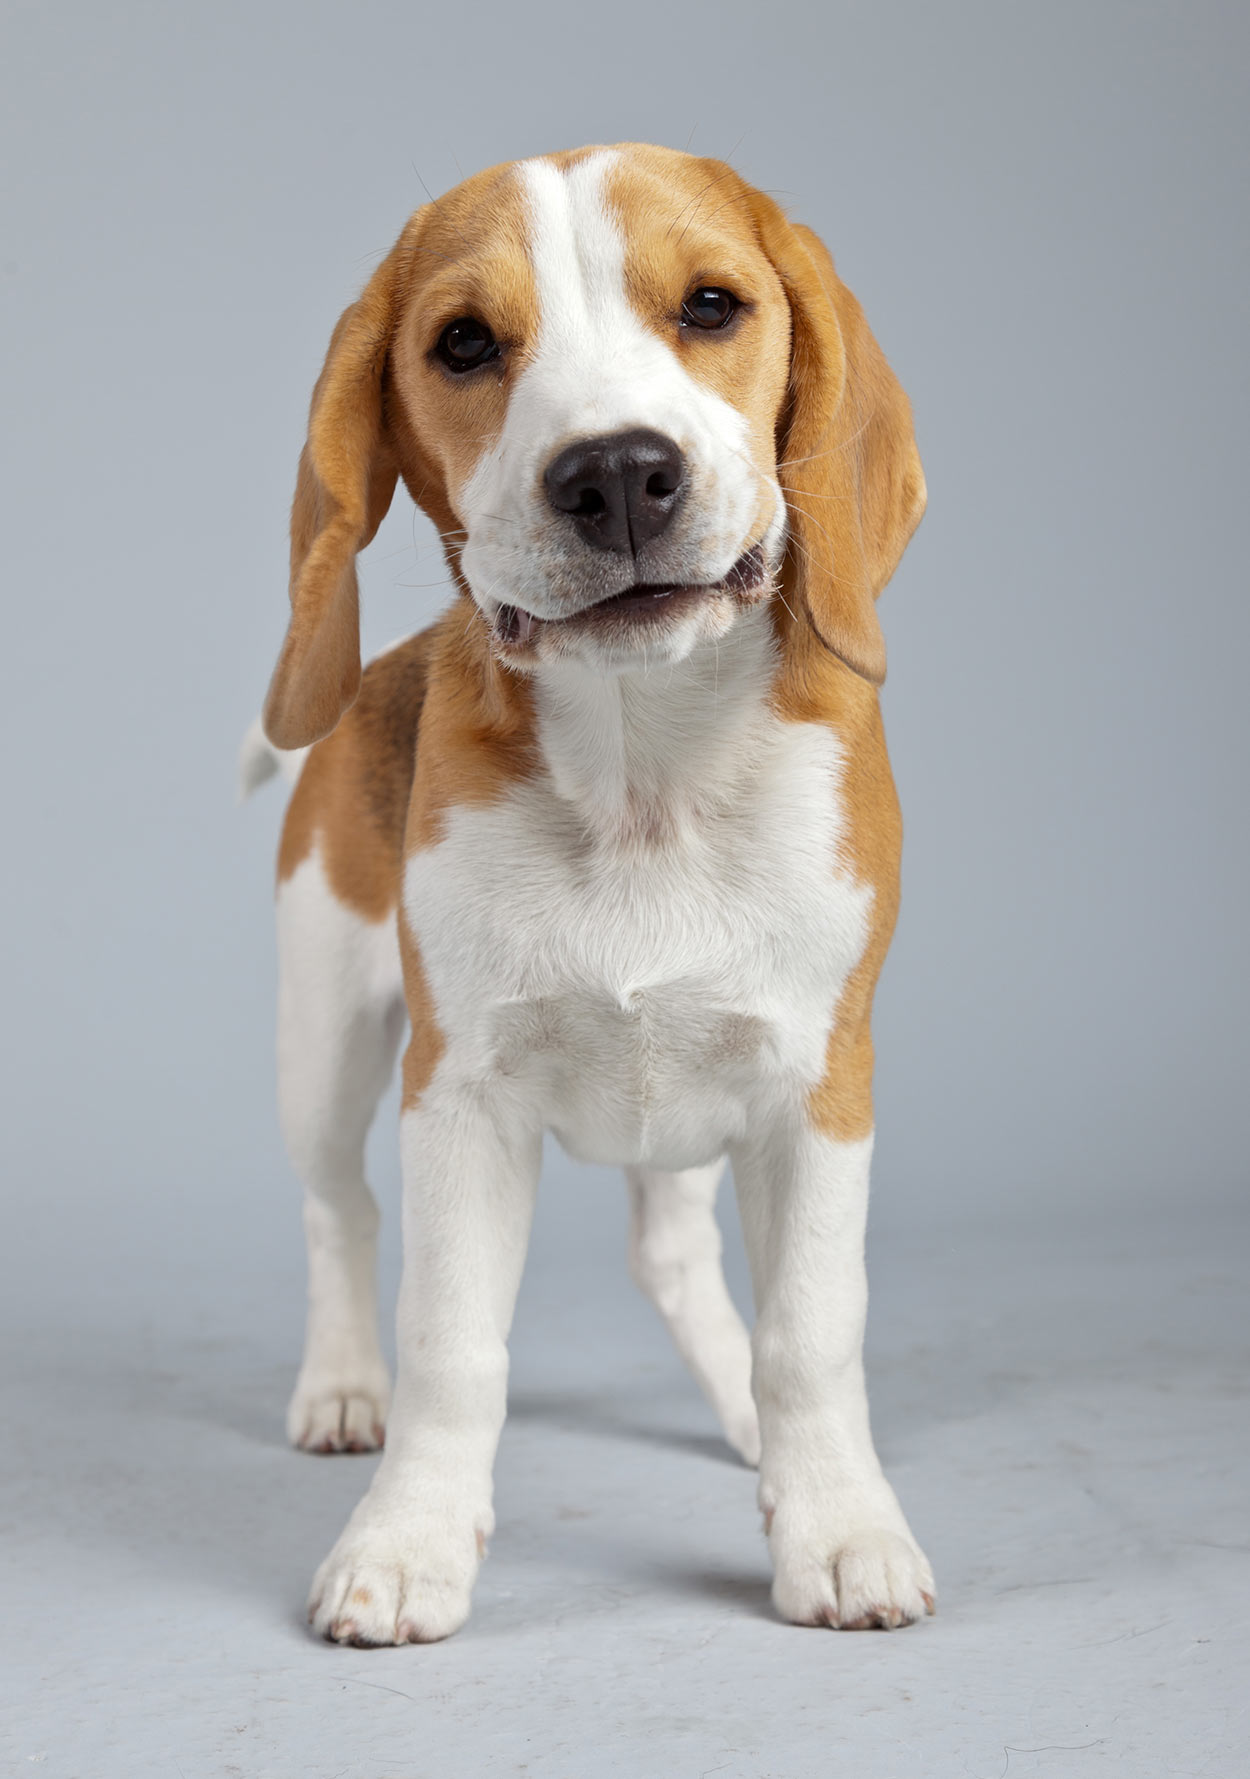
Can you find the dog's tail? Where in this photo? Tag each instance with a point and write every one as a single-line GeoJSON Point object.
{"type": "Point", "coordinates": [260, 760]}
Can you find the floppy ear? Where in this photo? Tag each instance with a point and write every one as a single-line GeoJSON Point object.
{"type": "Point", "coordinates": [346, 479]}
{"type": "Point", "coordinates": [847, 457]}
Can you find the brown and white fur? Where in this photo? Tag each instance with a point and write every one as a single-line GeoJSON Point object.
{"type": "Point", "coordinates": [627, 860]}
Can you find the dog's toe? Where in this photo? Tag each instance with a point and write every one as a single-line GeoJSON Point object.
{"type": "Point", "coordinates": [340, 1416]}
{"type": "Point", "coordinates": [882, 1582]}
{"type": "Point", "coordinates": [877, 1579]}
{"type": "Point", "coordinates": [387, 1587]}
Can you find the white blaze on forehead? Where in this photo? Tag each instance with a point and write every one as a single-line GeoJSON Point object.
{"type": "Point", "coordinates": [576, 249]}
{"type": "Point", "coordinates": [597, 367]}
{"type": "Point", "coordinates": [594, 367]}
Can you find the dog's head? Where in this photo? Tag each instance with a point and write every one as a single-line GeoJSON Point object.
{"type": "Point", "coordinates": [632, 397]}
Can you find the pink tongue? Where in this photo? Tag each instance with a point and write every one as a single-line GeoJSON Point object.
{"type": "Point", "coordinates": [514, 624]}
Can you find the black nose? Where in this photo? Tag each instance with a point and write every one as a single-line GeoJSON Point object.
{"type": "Point", "coordinates": [620, 489]}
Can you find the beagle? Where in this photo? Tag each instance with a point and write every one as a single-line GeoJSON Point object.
{"type": "Point", "coordinates": [618, 833]}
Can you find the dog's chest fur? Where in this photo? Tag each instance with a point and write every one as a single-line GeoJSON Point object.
{"type": "Point", "coordinates": [647, 940]}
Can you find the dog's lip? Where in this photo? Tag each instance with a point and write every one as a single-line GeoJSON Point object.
{"type": "Point", "coordinates": [515, 627]}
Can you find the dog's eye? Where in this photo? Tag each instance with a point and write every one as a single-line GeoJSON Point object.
{"type": "Point", "coordinates": [708, 306]}
{"type": "Point", "coordinates": [466, 343]}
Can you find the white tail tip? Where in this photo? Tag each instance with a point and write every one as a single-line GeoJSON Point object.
{"type": "Point", "coordinates": [259, 760]}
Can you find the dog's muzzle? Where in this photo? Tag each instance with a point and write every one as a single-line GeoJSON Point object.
{"type": "Point", "coordinates": [514, 627]}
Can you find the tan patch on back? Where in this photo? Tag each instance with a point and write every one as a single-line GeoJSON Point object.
{"type": "Point", "coordinates": [353, 792]}
{"type": "Point", "coordinates": [442, 705]}
{"type": "Point", "coordinates": [813, 686]}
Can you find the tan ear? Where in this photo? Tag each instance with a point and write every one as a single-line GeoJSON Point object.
{"type": "Point", "coordinates": [847, 457]}
{"type": "Point", "coordinates": [346, 479]}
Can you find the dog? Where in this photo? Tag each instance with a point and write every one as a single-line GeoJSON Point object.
{"type": "Point", "coordinates": [618, 832]}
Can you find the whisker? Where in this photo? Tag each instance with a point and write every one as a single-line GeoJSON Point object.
{"type": "Point", "coordinates": [813, 493]}
{"type": "Point", "coordinates": [430, 195]}
{"type": "Point", "coordinates": [842, 445]}
{"type": "Point", "coordinates": [781, 596]}
{"type": "Point", "coordinates": [698, 198]}
{"type": "Point", "coordinates": [739, 197]}
{"type": "Point", "coordinates": [820, 568]}
{"type": "Point", "coordinates": [720, 177]}
{"type": "Point", "coordinates": [416, 247]}
{"type": "Point", "coordinates": [812, 520]}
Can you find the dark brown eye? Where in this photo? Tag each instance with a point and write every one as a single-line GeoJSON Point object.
{"type": "Point", "coordinates": [465, 344]}
{"type": "Point", "coordinates": [708, 306]}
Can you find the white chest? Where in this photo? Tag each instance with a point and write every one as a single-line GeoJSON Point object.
{"type": "Point", "coordinates": [646, 997]}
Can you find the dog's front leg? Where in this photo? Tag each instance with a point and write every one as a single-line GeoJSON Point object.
{"type": "Point", "coordinates": [404, 1567]}
{"type": "Point", "coordinates": [842, 1551]}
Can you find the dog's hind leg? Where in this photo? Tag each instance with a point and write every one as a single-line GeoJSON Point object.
{"type": "Point", "coordinates": [340, 1017]}
{"type": "Point", "coordinates": [675, 1258]}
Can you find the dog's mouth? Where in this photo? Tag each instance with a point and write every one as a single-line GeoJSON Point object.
{"type": "Point", "coordinates": [644, 604]}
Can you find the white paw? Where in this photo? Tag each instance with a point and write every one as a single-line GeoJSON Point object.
{"type": "Point", "coordinates": [871, 1578]}
{"type": "Point", "coordinates": [392, 1582]}
{"type": "Point", "coordinates": [339, 1413]}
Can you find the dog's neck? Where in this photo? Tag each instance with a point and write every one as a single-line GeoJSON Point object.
{"type": "Point", "coordinates": [643, 755]}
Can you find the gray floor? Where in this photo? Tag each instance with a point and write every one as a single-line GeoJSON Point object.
{"type": "Point", "coordinates": [1062, 1409]}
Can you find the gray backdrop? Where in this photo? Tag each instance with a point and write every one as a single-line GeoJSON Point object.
{"type": "Point", "coordinates": [1043, 212]}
